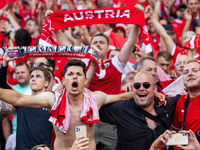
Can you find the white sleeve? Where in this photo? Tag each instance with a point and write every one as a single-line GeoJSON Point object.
{"type": "Point", "coordinates": [118, 65]}
{"type": "Point", "coordinates": [11, 141]}
{"type": "Point", "coordinates": [173, 50]}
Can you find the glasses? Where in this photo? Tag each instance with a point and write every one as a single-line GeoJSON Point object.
{"type": "Point", "coordinates": [40, 64]}
{"type": "Point", "coordinates": [146, 85]}
{"type": "Point", "coordinates": [180, 62]}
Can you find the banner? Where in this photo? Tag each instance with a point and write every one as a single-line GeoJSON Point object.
{"type": "Point", "coordinates": [62, 51]}
{"type": "Point", "coordinates": [63, 19]}
{"type": "Point", "coordinates": [5, 2]}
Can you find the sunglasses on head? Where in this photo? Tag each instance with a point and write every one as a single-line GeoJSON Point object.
{"type": "Point", "coordinates": [40, 64]}
{"type": "Point", "coordinates": [146, 85]}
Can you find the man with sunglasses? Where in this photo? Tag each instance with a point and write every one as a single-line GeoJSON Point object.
{"type": "Point", "coordinates": [134, 129]}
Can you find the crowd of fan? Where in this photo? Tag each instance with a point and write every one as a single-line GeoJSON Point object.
{"type": "Point", "coordinates": [170, 24]}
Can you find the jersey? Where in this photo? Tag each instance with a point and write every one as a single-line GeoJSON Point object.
{"type": "Point", "coordinates": [192, 116]}
{"type": "Point", "coordinates": [177, 30]}
{"type": "Point", "coordinates": [111, 83]}
{"type": "Point", "coordinates": [155, 42]}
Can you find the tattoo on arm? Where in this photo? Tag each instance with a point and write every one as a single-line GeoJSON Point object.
{"type": "Point", "coordinates": [5, 110]}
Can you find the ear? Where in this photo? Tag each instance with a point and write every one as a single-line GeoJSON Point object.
{"type": "Point", "coordinates": [155, 88]}
{"type": "Point", "coordinates": [46, 84]}
{"type": "Point", "coordinates": [137, 70]}
{"type": "Point", "coordinates": [63, 80]}
{"type": "Point", "coordinates": [85, 81]}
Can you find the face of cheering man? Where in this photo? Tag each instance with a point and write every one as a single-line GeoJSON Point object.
{"type": "Point", "coordinates": [179, 65]}
{"type": "Point", "coordinates": [101, 43]}
{"type": "Point", "coordinates": [144, 89]}
{"type": "Point", "coordinates": [22, 75]}
{"type": "Point", "coordinates": [191, 76]}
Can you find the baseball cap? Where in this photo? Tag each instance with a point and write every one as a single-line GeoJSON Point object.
{"type": "Point", "coordinates": [181, 6]}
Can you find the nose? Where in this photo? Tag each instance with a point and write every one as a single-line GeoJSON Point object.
{"type": "Point", "coordinates": [153, 73]}
{"type": "Point", "coordinates": [190, 73]}
{"type": "Point", "coordinates": [74, 76]}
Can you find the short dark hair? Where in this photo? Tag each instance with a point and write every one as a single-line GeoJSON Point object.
{"type": "Point", "coordinates": [22, 38]}
{"type": "Point", "coordinates": [117, 49]}
{"type": "Point", "coordinates": [45, 71]}
{"type": "Point", "coordinates": [166, 55]}
{"type": "Point", "coordinates": [101, 34]}
{"type": "Point", "coordinates": [75, 62]}
{"type": "Point", "coordinates": [22, 64]}
{"type": "Point", "coordinates": [51, 62]}
{"type": "Point", "coordinates": [35, 20]}
{"type": "Point", "coordinates": [37, 146]}
{"type": "Point", "coordinates": [141, 62]}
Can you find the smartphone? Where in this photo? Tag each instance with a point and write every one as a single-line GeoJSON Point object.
{"type": "Point", "coordinates": [16, 53]}
{"type": "Point", "coordinates": [178, 139]}
{"type": "Point", "coordinates": [168, 27]}
{"type": "Point", "coordinates": [80, 130]}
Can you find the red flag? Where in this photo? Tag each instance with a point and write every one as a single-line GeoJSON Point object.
{"type": "Point", "coordinates": [116, 40]}
{"type": "Point", "coordinates": [5, 2]}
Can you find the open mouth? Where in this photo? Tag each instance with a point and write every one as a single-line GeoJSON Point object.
{"type": "Point", "coordinates": [74, 86]}
{"type": "Point", "coordinates": [142, 95]}
{"type": "Point", "coordinates": [191, 79]}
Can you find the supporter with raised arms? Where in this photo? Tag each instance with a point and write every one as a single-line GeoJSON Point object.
{"type": "Point", "coordinates": [74, 81]}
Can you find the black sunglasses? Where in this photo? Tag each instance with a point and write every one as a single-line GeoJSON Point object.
{"type": "Point", "coordinates": [146, 85]}
{"type": "Point", "coordinates": [40, 64]}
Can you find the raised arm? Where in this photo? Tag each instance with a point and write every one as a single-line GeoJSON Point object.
{"type": "Point", "coordinates": [104, 99]}
{"type": "Point", "coordinates": [129, 45]}
{"type": "Point", "coordinates": [45, 99]}
{"type": "Point", "coordinates": [188, 18]}
{"type": "Point", "coordinates": [171, 7]}
{"type": "Point", "coordinates": [160, 29]}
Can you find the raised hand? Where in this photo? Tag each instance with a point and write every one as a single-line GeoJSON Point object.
{"type": "Point", "coordinates": [139, 7]}
{"type": "Point", "coordinates": [48, 13]}
{"type": "Point", "coordinates": [192, 141]}
{"type": "Point", "coordinates": [148, 11]}
{"type": "Point", "coordinates": [81, 143]}
{"type": "Point", "coordinates": [188, 15]}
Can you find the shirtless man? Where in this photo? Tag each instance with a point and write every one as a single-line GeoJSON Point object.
{"type": "Point", "coordinates": [74, 81]}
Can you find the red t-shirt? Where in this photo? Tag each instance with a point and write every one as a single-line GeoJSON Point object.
{"type": "Point", "coordinates": [155, 42]}
{"type": "Point", "coordinates": [192, 117]}
{"type": "Point", "coordinates": [177, 30]}
{"type": "Point", "coordinates": [111, 83]}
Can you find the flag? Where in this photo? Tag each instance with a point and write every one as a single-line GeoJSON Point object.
{"type": "Point", "coordinates": [5, 2]}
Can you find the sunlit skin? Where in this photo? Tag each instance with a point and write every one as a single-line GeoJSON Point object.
{"type": "Point", "coordinates": [164, 64]}
{"type": "Point", "coordinates": [74, 74]}
{"type": "Point", "coordinates": [191, 78]}
{"type": "Point", "coordinates": [180, 60]}
{"type": "Point", "coordinates": [148, 100]}
{"type": "Point", "coordinates": [22, 75]}
{"type": "Point", "coordinates": [37, 82]}
{"type": "Point", "coordinates": [150, 67]}
{"type": "Point", "coordinates": [101, 43]}
{"type": "Point", "coordinates": [192, 5]}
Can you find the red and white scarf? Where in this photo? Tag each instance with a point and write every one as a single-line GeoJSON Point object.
{"type": "Point", "coordinates": [60, 112]}
{"type": "Point", "coordinates": [63, 19]}
{"type": "Point", "coordinates": [193, 43]}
